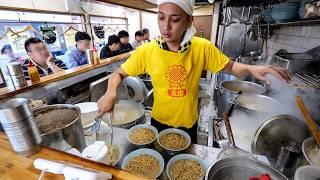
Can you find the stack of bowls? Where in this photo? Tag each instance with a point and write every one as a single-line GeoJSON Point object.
{"type": "Point", "coordinates": [285, 12]}
{"type": "Point", "coordinates": [267, 16]}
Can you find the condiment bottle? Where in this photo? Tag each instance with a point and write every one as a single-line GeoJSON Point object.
{"type": "Point", "coordinates": [33, 72]}
{"type": "Point", "coordinates": [96, 56]}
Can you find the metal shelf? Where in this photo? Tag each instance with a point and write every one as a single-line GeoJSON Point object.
{"type": "Point", "coordinates": [309, 22]}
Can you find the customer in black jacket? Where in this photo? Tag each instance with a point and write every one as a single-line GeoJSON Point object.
{"type": "Point", "coordinates": [112, 48]}
{"type": "Point", "coordinates": [125, 46]}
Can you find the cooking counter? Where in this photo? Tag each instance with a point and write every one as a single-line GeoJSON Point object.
{"type": "Point", "coordinates": [14, 166]}
{"type": "Point", "coordinates": [7, 92]}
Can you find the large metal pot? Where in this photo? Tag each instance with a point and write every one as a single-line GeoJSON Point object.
{"type": "Point", "coordinates": [123, 107]}
{"type": "Point", "coordinates": [308, 145]}
{"type": "Point", "coordinates": [241, 168]}
{"type": "Point", "coordinates": [70, 136]}
{"type": "Point", "coordinates": [256, 103]}
{"type": "Point", "coordinates": [229, 90]}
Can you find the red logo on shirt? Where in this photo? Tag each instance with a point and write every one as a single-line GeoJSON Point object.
{"type": "Point", "coordinates": [177, 75]}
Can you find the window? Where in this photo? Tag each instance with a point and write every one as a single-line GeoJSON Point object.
{"type": "Point", "coordinates": [110, 26]}
{"type": "Point", "coordinates": [18, 21]}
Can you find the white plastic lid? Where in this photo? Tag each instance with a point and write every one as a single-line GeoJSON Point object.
{"type": "Point", "coordinates": [96, 152]}
{"type": "Point", "coordinates": [84, 174]}
{"type": "Point", "coordinates": [87, 107]}
{"type": "Point", "coordinates": [49, 166]}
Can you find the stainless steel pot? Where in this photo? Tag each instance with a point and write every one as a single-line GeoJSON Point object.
{"type": "Point", "coordinates": [124, 105]}
{"type": "Point", "coordinates": [70, 136]}
{"type": "Point", "coordinates": [229, 90]}
{"type": "Point", "coordinates": [256, 103]}
{"type": "Point", "coordinates": [280, 129]}
{"type": "Point", "coordinates": [241, 168]}
{"type": "Point", "coordinates": [309, 144]}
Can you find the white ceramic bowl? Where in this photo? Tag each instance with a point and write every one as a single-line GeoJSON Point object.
{"type": "Point", "coordinates": [144, 151]}
{"type": "Point", "coordinates": [152, 128]}
{"type": "Point", "coordinates": [185, 157]}
{"type": "Point", "coordinates": [178, 131]}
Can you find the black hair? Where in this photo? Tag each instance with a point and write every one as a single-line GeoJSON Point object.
{"type": "Point", "coordinates": [113, 39]}
{"type": "Point", "coordinates": [145, 30]}
{"type": "Point", "coordinates": [81, 36]}
{"type": "Point", "coordinates": [123, 33]}
{"type": "Point", "coordinates": [139, 33]}
{"type": "Point", "coordinates": [5, 47]}
{"type": "Point", "coordinates": [30, 41]}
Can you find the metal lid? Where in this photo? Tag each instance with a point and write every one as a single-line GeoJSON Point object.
{"type": "Point", "coordinates": [237, 86]}
{"type": "Point", "coordinates": [307, 173]}
{"type": "Point", "coordinates": [280, 129]}
{"type": "Point", "coordinates": [135, 89]}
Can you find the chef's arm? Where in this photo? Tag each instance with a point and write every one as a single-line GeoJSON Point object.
{"type": "Point", "coordinates": [106, 102]}
{"type": "Point", "coordinates": [259, 72]}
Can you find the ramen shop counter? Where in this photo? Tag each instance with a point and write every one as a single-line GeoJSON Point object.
{"type": "Point", "coordinates": [208, 154]}
{"type": "Point", "coordinates": [14, 166]}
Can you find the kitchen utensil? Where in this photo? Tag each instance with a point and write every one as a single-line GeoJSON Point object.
{"type": "Point", "coordinates": [311, 124]}
{"type": "Point", "coordinates": [288, 157]}
{"type": "Point", "coordinates": [64, 138]}
{"type": "Point", "coordinates": [256, 103]}
{"type": "Point", "coordinates": [241, 168]}
{"type": "Point", "coordinates": [178, 131]}
{"type": "Point", "coordinates": [307, 173]}
{"type": "Point", "coordinates": [228, 91]}
{"type": "Point", "coordinates": [152, 128]}
{"type": "Point", "coordinates": [233, 151]}
{"type": "Point", "coordinates": [184, 157]}
{"type": "Point", "coordinates": [308, 145]}
{"type": "Point", "coordinates": [96, 152]}
{"type": "Point", "coordinates": [18, 122]}
{"type": "Point", "coordinates": [144, 151]}
{"type": "Point", "coordinates": [275, 131]}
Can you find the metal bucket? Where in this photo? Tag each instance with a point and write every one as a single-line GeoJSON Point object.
{"type": "Point", "coordinates": [241, 168]}
{"type": "Point", "coordinates": [70, 136]}
{"type": "Point", "coordinates": [229, 90]}
{"type": "Point", "coordinates": [18, 122]}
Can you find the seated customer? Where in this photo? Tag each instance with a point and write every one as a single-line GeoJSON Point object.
{"type": "Point", "coordinates": [125, 46]}
{"type": "Point", "coordinates": [8, 51]}
{"type": "Point", "coordinates": [112, 48]}
{"type": "Point", "coordinates": [40, 56]}
{"type": "Point", "coordinates": [76, 56]}
{"type": "Point", "coordinates": [139, 36]}
{"type": "Point", "coordinates": [146, 33]}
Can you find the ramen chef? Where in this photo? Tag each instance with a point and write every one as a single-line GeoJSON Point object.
{"type": "Point", "coordinates": [175, 61]}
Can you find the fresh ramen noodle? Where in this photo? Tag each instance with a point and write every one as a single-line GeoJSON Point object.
{"type": "Point", "coordinates": [173, 141]}
{"type": "Point", "coordinates": [113, 155]}
{"type": "Point", "coordinates": [142, 136]}
{"type": "Point", "coordinates": [144, 165]}
{"type": "Point", "coordinates": [187, 170]}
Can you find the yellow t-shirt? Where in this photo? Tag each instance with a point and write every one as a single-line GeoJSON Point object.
{"type": "Point", "coordinates": [175, 78]}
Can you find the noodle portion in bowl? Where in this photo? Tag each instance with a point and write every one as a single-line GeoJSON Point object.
{"type": "Point", "coordinates": [187, 170]}
{"type": "Point", "coordinates": [174, 140]}
{"type": "Point", "coordinates": [144, 162]}
{"type": "Point", "coordinates": [142, 136]}
{"type": "Point", "coordinates": [186, 167]}
{"type": "Point", "coordinates": [144, 165]}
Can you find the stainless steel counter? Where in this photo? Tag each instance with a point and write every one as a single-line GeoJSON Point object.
{"type": "Point", "coordinates": [208, 154]}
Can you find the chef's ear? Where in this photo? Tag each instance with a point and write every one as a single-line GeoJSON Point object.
{"type": "Point", "coordinates": [190, 20]}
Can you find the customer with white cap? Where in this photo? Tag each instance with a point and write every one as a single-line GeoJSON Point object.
{"type": "Point", "coordinates": [175, 61]}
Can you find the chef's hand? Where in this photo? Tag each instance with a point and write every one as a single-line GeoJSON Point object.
{"type": "Point", "coordinates": [260, 72]}
{"type": "Point", "coordinates": [106, 104]}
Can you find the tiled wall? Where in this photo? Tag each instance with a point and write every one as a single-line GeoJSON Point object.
{"type": "Point", "coordinates": [294, 39]}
